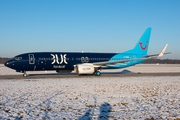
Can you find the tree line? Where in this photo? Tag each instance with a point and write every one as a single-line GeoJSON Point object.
{"type": "Point", "coordinates": [3, 60]}
{"type": "Point", "coordinates": [161, 61]}
{"type": "Point", "coordinates": [150, 61]}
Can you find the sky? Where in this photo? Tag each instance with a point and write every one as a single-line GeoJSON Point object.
{"type": "Point", "coordinates": [88, 25]}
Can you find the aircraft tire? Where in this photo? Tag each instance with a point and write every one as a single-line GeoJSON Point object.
{"type": "Point", "coordinates": [98, 73]}
{"type": "Point", "coordinates": [24, 75]}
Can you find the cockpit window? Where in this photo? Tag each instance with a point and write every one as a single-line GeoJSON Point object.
{"type": "Point", "coordinates": [18, 58]}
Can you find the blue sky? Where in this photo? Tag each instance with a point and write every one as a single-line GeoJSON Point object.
{"type": "Point", "coordinates": [87, 25]}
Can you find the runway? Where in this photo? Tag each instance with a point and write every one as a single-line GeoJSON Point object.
{"type": "Point", "coordinates": [72, 75]}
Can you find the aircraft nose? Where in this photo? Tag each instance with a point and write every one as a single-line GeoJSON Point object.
{"type": "Point", "coordinates": [10, 64]}
{"type": "Point", "coordinates": [6, 64]}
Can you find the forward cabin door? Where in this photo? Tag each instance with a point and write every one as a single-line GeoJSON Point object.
{"type": "Point", "coordinates": [31, 59]}
{"type": "Point", "coordinates": [32, 62]}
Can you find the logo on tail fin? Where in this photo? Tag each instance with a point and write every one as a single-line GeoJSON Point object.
{"type": "Point", "coordinates": [143, 48]}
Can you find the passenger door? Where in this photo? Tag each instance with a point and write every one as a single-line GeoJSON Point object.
{"type": "Point", "coordinates": [31, 59]}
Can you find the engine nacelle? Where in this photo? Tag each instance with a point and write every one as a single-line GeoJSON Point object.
{"type": "Point", "coordinates": [85, 68]}
{"type": "Point", "coordinates": [63, 71]}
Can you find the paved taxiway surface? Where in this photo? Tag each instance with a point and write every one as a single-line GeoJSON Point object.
{"type": "Point", "coordinates": [37, 76]}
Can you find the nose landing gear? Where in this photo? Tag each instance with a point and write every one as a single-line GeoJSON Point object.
{"type": "Point", "coordinates": [25, 74]}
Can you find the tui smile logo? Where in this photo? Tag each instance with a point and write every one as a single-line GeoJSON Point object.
{"type": "Point", "coordinates": [143, 48]}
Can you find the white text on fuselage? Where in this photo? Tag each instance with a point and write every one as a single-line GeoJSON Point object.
{"type": "Point", "coordinates": [56, 59]}
{"type": "Point", "coordinates": [58, 66]}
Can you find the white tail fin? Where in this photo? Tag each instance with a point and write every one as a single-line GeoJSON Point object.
{"type": "Point", "coordinates": [163, 50]}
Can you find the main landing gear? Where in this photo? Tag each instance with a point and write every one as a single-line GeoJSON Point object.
{"type": "Point", "coordinates": [25, 74]}
{"type": "Point", "coordinates": [97, 73]}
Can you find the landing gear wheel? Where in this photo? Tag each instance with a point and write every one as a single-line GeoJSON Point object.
{"type": "Point", "coordinates": [25, 74]}
{"type": "Point", "coordinates": [97, 73]}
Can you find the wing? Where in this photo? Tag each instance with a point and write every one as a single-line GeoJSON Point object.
{"type": "Point", "coordinates": [98, 64]}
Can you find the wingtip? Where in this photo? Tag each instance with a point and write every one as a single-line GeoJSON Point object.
{"type": "Point", "coordinates": [163, 51]}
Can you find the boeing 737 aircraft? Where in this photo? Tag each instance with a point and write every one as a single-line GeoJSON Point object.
{"type": "Point", "coordinates": [83, 63]}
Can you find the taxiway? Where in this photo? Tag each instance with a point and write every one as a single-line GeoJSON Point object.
{"type": "Point", "coordinates": [38, 76]}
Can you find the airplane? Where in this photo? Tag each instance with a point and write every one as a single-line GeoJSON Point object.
{"type": "Point", "coordinates": [83, 63]}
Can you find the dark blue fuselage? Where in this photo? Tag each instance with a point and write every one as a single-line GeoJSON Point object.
{"type": "Point", "coordinates": [54, 60]}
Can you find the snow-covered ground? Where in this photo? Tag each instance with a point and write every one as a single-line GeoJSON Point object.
{"type": "Point", "coordinates": [94, 98]}
{"type": "Point", "coordinates": [142, 68]}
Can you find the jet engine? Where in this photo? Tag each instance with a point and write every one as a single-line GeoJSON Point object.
{"type": "Point", "coordinates": [85, 68]}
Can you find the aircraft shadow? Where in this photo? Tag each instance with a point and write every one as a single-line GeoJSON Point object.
{"type": "Point", "coordinates": [121, 72]}
{"type": "Point", "coordinates": [118, 72]}
{"type": "Point", "coordinates": [52, 74]}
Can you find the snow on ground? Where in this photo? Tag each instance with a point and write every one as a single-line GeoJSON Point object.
{"type": "Point", "coordinates": [142, 68]}
{"type": "Point", "coordinates": [91, 98]}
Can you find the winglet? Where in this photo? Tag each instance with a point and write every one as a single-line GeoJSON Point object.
{"type": "Point", "coordinates": [163, 50]}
